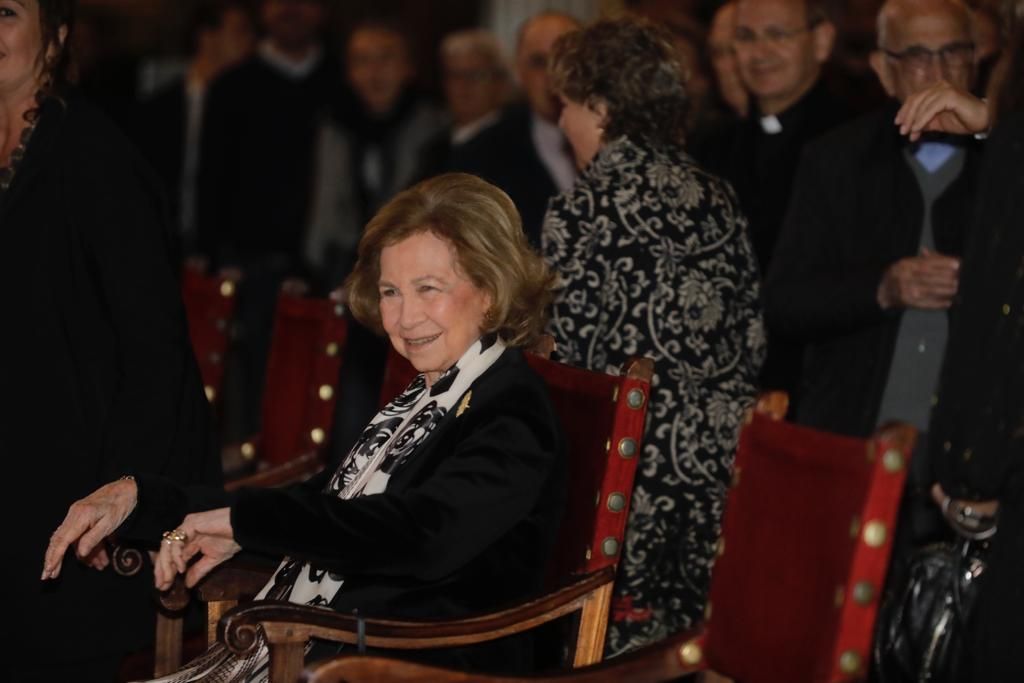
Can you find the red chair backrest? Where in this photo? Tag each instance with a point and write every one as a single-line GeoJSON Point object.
{"type": "Point", "coordinates": [805, 546]}
{"type": "Point", "coordinates": [300, 389]}
{"type": "Point", "coordinates": [603, 419]}
{"type": "Point", "coordinates": [210, 308]}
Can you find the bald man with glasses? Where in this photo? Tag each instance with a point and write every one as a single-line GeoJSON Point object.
{"type": "Point", "coordinates": [868, 263]}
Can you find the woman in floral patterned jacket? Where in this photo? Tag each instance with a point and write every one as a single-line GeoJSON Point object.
{"type": "Point", "coordinates": [655, 260]}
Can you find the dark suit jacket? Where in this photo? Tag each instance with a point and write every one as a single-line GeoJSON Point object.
{"type": "Point", "coordinates": [856, 209]}
{"type": "Point", "coordinates": [466, 525]}
{"type": "Point", "coordinates": [977, 427]}
{"type": "Point", "coordinates": [504, 154]}
{"type": "Point", "coordinates": [161, 138]}
{"type": "Point", "coordinates": [97, 371]}
{"type": "Point", "coordinates": [257, 159]}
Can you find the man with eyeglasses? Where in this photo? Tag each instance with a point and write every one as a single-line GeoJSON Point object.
{"type": "Point", "coordinates": [475, 79]}
{"type": "Point", "coordinates": [525, 152]}
{"type": "Point", "coordinates": [781, 47]}
{"type": "Point", "coordinates": [868, 262]}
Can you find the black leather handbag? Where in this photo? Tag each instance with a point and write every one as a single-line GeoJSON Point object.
{"type": "Point", "coordinates": [921, 635]}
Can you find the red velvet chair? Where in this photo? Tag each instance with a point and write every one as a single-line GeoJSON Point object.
{"type": "Point", "coordinates": [806, 542]}
{"type": "Point", "coordinates": [300, 388]}
{"type": "Point", "coordinates": [603, 416]}
{"type": "Point", "coordinates": [210, 308]}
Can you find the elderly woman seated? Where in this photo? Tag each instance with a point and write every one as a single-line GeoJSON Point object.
{"type": "Point", "coordinates": [449, 501]}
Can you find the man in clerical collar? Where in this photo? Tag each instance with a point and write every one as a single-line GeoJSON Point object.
{"type": "Point", "coordinates": [867, 266]}
{"type": "Point", "coordinates": [781, 47]}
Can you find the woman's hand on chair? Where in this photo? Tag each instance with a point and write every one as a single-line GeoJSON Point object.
{"type": "Point", "coordinates": [207, 535]}
{"type": "Point", "coordinates": [88, 523]}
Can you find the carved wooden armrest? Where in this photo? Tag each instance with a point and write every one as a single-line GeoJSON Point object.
{"type": "Point", "coordinates": [238, 628]}
{"type": "Point", "coordinates": [291, 472]}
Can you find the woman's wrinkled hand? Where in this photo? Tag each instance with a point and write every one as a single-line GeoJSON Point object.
{"type": "Point", "coordinates": [943, 108]}
{"type": "Point", "coordinates": [88, 523]}
{"type": "Point", "coordinates": [207, 535]}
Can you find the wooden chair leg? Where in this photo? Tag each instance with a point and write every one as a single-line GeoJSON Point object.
{"type": "Point", "coordinates": [287, 646]}
{"type": "Point", "coordinates": [170, 627]}
{"type": "Point", "coordinates": [167, 657]}
{"type": "Point", "coordinates": [593, 624]}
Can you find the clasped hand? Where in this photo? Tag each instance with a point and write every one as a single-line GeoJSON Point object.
{"type": "Point", "coordinates": [207, 535]}
{"type": "Point", "coordinates": [928, 281]}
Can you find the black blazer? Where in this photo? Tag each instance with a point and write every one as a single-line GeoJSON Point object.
{"type": "Point", "coordinates": [161, 138]}
{"type": "Point", "coordinates": [856, 209]}
{"type": "Point", "coordinates": [97, 372]}
{"type": "Point", "coordinates": [465, 526]}
{"type": "Point", "coordinates": [504, 155]}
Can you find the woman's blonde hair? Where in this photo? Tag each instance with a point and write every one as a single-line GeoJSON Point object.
{"type": "Point", "coordinates": [481, 223]}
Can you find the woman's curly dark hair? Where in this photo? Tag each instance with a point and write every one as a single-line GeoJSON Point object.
{"type": "Point", "coordinates": [632, 67]}
{"type": "Point", "coordinates": [55, 56]}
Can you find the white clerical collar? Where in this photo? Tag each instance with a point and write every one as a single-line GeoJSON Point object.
{"type": "Point", "coordinates": [464, 133]}
{"type": "Point", "coordinates": [551, 146]}
{"type": "Point", "coordinates": [770, 124]}
{"type": "Point", "coordinates": [296, 70]}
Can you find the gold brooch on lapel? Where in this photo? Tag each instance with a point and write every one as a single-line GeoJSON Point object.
{"type": "Point", "coordinates": [464, 404]}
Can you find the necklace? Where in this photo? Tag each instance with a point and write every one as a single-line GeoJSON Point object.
{"type": "Point", "coordinates": [7, 172]}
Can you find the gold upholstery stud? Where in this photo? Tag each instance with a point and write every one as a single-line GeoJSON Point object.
{"type": "Point", "coordinates": [339, 310]}
{"type": "Point", "coordinates": [227, 289]}
{"type": "Point", "coordinates": [248, 450]}
{"type": "Point", "coordinates": [615, 393]}
{"type": "Point", "coordinates": [609, 547]}
{"type": "Point", "coordinates": [863, 593]}
{"type": "Point", "coordinates": [849, 662]}
{"type": "Point", "coordinates": [635, 399]}
{"type": "Point", "coordinates": [707, 611]}
{"type": "Point", "coordinates": [616, 502]}
{"type": "Point", "coordinates": [627, 447]}
{"type": "Point", "coordinates": [326, 392]}
{"type": "Point", "coordinates": [332, 349]}
{"type": "Point", "coordinates": [211, 393]}
{"type": "Point", "coordinates": [318, 436]}
{"type": "Point", "coordinates": [892, 460]}
{"type": "Point", "coordinates": [589, 554]}
{"type": "Point", "coordinates": [691, 654]}
{"type": "Point", "coordinates": [875, 533]}
{"type": "Point", "coordinates": [720, 546]}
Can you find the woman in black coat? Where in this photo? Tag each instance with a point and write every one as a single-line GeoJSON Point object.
{"type": "Point", "coordinates": [977, 426]}
{"type": "Point", "coordinates": [96, 368]}
{"type": "Point", "coordinates": [450, 500]}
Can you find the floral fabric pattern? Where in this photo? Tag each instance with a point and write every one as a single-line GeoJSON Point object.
{"type": "Point", "coordinates": [655, 260]}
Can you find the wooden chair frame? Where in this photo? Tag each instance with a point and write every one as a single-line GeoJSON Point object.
{"type": "Point", "coordinates": [287, 627]}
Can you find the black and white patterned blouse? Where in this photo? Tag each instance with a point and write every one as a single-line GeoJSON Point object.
{"type": "Point", "coordinates": [655, 260]}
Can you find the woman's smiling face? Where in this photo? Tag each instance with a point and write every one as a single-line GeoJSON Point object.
{"type": "Point", "coordinates": [21, 44]}
{"type": "Point", "coordinates": [430, 310]}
